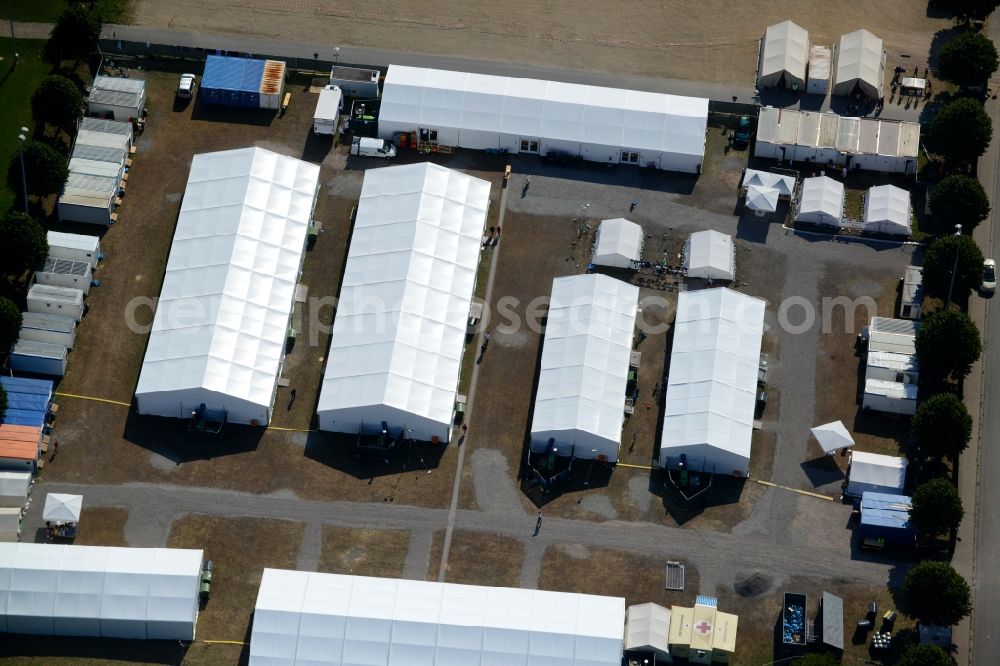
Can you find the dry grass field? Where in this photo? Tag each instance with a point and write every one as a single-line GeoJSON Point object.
{"type": "Point", "coordinates": [364, 552]}
{"type": "Point", "coordinates": [478, 558]}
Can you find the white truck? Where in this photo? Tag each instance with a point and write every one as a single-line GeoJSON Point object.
{"type": "Point", "coordinates": [331, 101]}
{"type": "Point", "coordinates": [366, 147]}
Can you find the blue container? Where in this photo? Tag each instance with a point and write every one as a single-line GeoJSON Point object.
{"type": "Point", "coordinates": [231, 81]}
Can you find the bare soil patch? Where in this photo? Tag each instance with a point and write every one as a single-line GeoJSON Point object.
{"type": "Point", "coordinates": [364, 552]}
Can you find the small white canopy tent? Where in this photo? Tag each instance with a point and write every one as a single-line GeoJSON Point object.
{"type": "Point", "coordinates": [580, 401]}
{"type": "Point", "coordinates": [712, 384]}
{"type": "Point", "coordinates": [95, 591]}
{"type": "Point", "coordinates": [873, 472]}
{"type": "Point", "coordinates": [784, 184]}
{"type": "Point", "coordinates": [710, 254]}
{"type": "Point", "coordinates": [832, 436]}
{"type": "Point", "coordinates": [762, 200]}
{"type": "Point", "coordinates": [859, 61]}
{"type": "Point", "coordinates": [60, 507]}
{"type": "Point", "coordinates": [399, 333]}
{"type": "Point", "coordinates": [317, 619]}
{"type": "Point", "coordinates": [647, 629]}
{"type": "Point", "coordinates": [220, 328]}
{"type": "Point", "coordinates": [618, 243]}
{"type": "Point", "coordinates": [887, 211]}
{"type": "Point", "coordinates": [821, 201]}
{"type": "Point", "coordinates": [784, 53]}
{"type": "Point", "coordinates": [14, 488]}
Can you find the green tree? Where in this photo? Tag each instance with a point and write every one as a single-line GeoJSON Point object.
{"type": "Point", "coordinates": [57, 101]}
{"type": "Point", "coordinates": [937, 508]}
{"type": "Point", "coordinates": [969, 59]}
{"type": "Point", "coordinates": [939, 260]}
{"type": "Point", "coordinates": [925, 655]}
{"type": "Point", "coordinates": [24, 244]}
{"type": "Point", "coordinates": [10, 323]}
{"type": "Point", "coordinates": [75, 33]}
{"type": "Point", "coordinates": [942, 426]}
{"type": "Point", "coordinates": [935, 593]}
{"type": "Point", "coordinates": [947, 345]}
{"type": "Point", "coordinates": [45, 169]}
{"type": "Point", "coordinates": [961, 130]}
{"type": "Point", "coordinates": [960, 199]}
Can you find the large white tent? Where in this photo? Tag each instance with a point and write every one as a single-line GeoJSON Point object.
{"type": "Point", "coordinates": [710, 254]}
{"type": "Point", "coordinates": [859, 62]}
{"type": "Point", "coordinates": [784, 53]}
{"type": "Point", "coordinates": [96, 591]}
{"type": "Point", "coordinates": [873, 472]}
{"type": "Point", "coordinates": [711, 386]}
{"type": "Point", "coordinates": [606, 125]}
{"type": "Point", "coordinates": [580, 402]}
{"type": "Point", "coordinates": [618, 243]}
{"type": "Point", "coordinates": [821, 201]}
{"type": "Point", "coordinates": [317, 619]}
{"type": "Point", "coordinates": [221, 323]}
{"type": "Point", "coordinates": [887, 210]}
{"type": "Point", "coordinates": [397, 342]}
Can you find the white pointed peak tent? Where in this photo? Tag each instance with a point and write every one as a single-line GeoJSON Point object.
{"type": "Point", "coordinates": [710, 255]}
{"type": "Point", "coordinates": [784, 53]}
{"type": "Point", "coordinates": [821, 201]}
{"type": "Point", "coordinates": [618, 243]}
{"type": "Point", "coordinates": [762, 200]}
{"type": "Point", "coordinates": [784, 184]}
{"type": "Point", "coordinates": [63, 508]}
{"type": "Point", "coordinates": [887, 210]}
{"type": "Point", "coordinates": [832, 436]}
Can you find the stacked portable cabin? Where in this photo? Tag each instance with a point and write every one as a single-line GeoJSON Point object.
{"type": "Point", "coordinates": [47, 299]}
{"type": "Point", "coordinates": [65, 273]}
{"type": "Point", "coordinates": [24, 422]}
{"type": "Point", "coordinates": [116, 97]}
{"type": "Point", "coordinates": [75, 247]}
{"type": "Point", "coordinates": [243, 82]}
{"type": "Point", "coordinates": [357, 83]}
{"type": "Point", "coordinates": [891, 369]}
{"type": "Point", "coordinates": [911, 303]}
{"type": "Point", "coordinates": [50, 328]}
{"type": "Point", "coordinates": [95, 171]}
{"type": "Point", "coordinates": [40, 358]}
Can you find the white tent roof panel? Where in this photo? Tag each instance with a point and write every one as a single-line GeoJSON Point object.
{"type": "Point", "coordinates": [784, 184]}
{"type": "Point", "coordinates": [859, 59]}
{"type": "Point", "coordinates": [762, 198]}
{"type": "Point", "coordinates": [887, 210]}
{"type": "Point", "coordinates": [710, 254]}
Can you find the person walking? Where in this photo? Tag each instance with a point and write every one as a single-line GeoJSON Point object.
{"type": "Point", "coordinates": [538, 524]}
{"type": "Point", "coordinates": [635, 202]}
{"type": "Point", "coordinates": [291, 402]}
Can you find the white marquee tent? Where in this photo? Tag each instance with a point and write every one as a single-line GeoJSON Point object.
{"type": "Point", "coordinates": [762, 199]}
{"type": "Point", "coordinates": [859, 61]}
{"type": "Point", "coordinates": [580, 401]}
{"type": "Point", "coordinates": [62, 507]}
{"type": "Point", "coordinates": [220, 327]}
{"type": "Point", "coordinates": [784, 184]}
{"type": "Point", "coordinates": [821, 201]}
{"type": "Point", "coordinates": [710, 254]}
{"type": "Point", "coordinates": [784, 53]}
{"type": "Point", "coordinates": [647, 629]}
{"type": "Point", "coordinates": [618, 243]}
{"type": "Point", "coordinates": [14, 488]}
{"type": "Point", "coordinates": [711, 386]}
{"type": "Point", "coordinates": [887, 210]}
{"type": "Point", "coordinates": [873, 472]}
{"type": "Point", "coordinates": [316, 619]}
{"type": "Point", "coordinates": [608, 125]}
{"type": "Point", "coordinates": [399, 333]}
{"type": "Point", "coordinates": [95, 591]}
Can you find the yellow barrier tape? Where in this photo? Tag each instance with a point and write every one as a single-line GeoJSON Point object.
{"type": "Point", "coordinates": [221, 642]}
{"type": "Point", "coordinates": [89, 397]}
{"type": "Point", "coordinates": [291, 429]}
{"type": "Point", "coordinates": [795, 490]}
{"type": "Point", "coordinates": [621, 464]}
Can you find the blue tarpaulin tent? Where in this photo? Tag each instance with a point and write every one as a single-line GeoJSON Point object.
{"type": "Point", "coordinates": [887, 517]}
{"type": "Point", "coordinates": [27, 401]}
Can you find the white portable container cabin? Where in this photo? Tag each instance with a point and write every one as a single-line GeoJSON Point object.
{"type": "Point", "coordinates": [117, 97]}
{"type": "Point", "coordinates": [887, 211]}
{"type": "Point", "coordinates": [95, 171]}
{"type": "Point", "coordinates": [14, 487]}
{"type": "Point", "coordinates": [911, 303]}
{"type": "Point", "coordinates": [710, 255]}
{"type": "Point", "coordinates": [876, 473]}
{"type": "Point", "coordinates": [328, 107]}
{"type": "Point", "coordinates": [892, 367]}
{"type": "Point", "coordinates": [221, 326]}
{"type": "Point", "coordinates": [48, 299]}
{"type": "Point", "coordinates": [859, 65]}
{"type": "Point", "coordinates": [605, 125]}
{"type": "Point", "coordinates": [818, 82]}
{"type": "Point", "coordinates": [580, 402]}
{"type": "Point", "coordinates": [893, 335]}
{"type": "Point", "coordinates": [65, 273]}
{"type": "Point", "coordinates": [355, 82]}
{"type": "Point", "coordinates": [319, 619]}
{"type": "Point", "coordinates": [51, 328]}
{"type": "Point", "coordinates": [784, 52]}
{"type": "Point", "coordinates": [75, 247]}
{"type": "Point", "coordinates": [618, 243]}
{"type": "Point", "coordinates": [40, 358]}
{"type": "Point", "coordinates": [890, 397]}
{"type": "Point", "coordinates": [821, 202]}
{"type": "Point", "coordinates": [62, 590]}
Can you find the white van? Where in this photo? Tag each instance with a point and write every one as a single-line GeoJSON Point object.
{"type": "Point", "coordinates": [366, 147]}
{"type": "Point", "coordinates": [328, 107]}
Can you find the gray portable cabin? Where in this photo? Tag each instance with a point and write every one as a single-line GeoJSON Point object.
{"type": "Point", "coordinates": [42, 358]}
{"type": "Point", "coordinates": [116, 97]}
{"type": "Point", "coordinates": [51, 328]}
{"type": "Point", "coordinates": [95, 171]}
{"type": "Point", "coordinates": [911, 303]}
{"type": "Point", "coordinates": [65, 273]}
{"type": "Point", "coordinates": [355, 82]}
{"type": "Point", "coordinates": [64, 301]}
{"type": "Point", "coordinates": [75, 247]}
{"type": "Point", "coordinates": [831, 622]}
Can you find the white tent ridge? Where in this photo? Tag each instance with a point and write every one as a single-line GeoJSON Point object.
{"type": "Point", "coordinates": [821, 201]}
{"type": "Point", "coordinates": [608, 125]}
{"type": "Point", "coordinates": [784, 53]}
{"type": "Point", "coordinates": [220, 327]}
{"type": "Point", "coordinates": [316, 619]}
{"type": "Point", "coordinates": [580, 400]}
{"type": "Point", "coordinates": [887, 211]}
{"type": "Point", "coordinates": [710, 254]}
{"type": "Point", "coordinates": [399, 333]}
{"type": "Point", "coordinates": [145, 593]}
{"type": "Point", "coordinates": [711, 386]}
{"type": "Point", "coordinates": [618, 243]}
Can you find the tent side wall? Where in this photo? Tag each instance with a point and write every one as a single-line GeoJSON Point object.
{"type": "Point", "coordinates": [585, 445]}
{"type": "Point", "coordinates": [349, 420]}
{"type": "Point", "coordinates": [702, 457]}
{"type": "Point", "coordinates": [180, 404]}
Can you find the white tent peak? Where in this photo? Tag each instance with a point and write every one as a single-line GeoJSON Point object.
{"type": "Point", "coordinates": [710, 254]}
{"type": "Point", "coordinates": [619, 242]}
{"type": "Point", "coordinates": [887, 210]}
{"type": "Point", "coordinates": [784, 52]}
{"type": "Point", "coordinates": [784, 184]}
{"type": "Point", "coordinates": [821, 201]}
{"type": "Point", "coordinates": [860, 61]}
{"type": "Point", "coordinates": [762, 198]}
{"type": "Point", "coordinates": [62, 507]}
{"type": "Point", "coordinates": [832, 436]}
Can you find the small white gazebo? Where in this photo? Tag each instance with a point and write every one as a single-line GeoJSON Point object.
{"type": "Point", "coordinates": [61, 508]}
{"type": "Point", "coordinates": [762, 200]}
{"type": "Point", "coordinates": [618, 243]}
{"type": "Point", "coordinates": [832, 436]}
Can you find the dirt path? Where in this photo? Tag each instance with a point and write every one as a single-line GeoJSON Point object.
{"type": "Point", "coordinates": [706, 40]}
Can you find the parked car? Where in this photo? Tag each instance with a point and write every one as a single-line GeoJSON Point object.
{"type": "Point", "coordinates": [186, 86]}
{"type": "Point", "coordinates": [989, 286]}
{"type": "Point", "coordinates": [366, 147]}
{"type": "Point", "coordinates": [741, 138]}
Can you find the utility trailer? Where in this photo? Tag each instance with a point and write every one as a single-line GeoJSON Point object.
{"type": "Point", "coordinates": [793, 619]}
